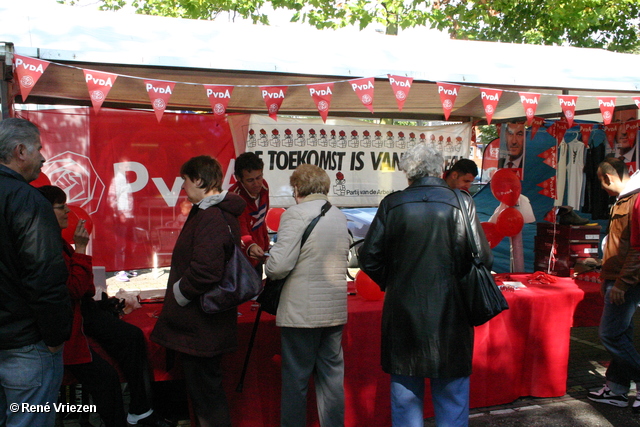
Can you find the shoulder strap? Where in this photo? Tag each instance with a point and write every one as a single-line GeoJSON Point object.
{"type": "Point", "coordinates": [313, 223]}
{"type": "Point", "coordinates": [465, 215]}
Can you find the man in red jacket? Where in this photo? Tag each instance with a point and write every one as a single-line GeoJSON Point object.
{"type": "Point", "coordinates": [252, 187]}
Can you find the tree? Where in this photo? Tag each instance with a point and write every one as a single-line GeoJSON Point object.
{"type": "Point", "coordinates": [608, 24]}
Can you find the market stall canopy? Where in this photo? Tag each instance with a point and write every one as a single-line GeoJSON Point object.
{"type": "Point", "coordinates": [193, 53]}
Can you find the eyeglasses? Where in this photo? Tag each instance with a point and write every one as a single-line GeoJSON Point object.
{"type": "Point", "coordinates": [61, 207]}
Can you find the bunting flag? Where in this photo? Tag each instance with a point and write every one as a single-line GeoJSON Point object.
{"type": "Point", "coordinates": [568, 105]}
{"type": "Point", "coordinates": [401, 87]}
{"type": "Point", "coordinates": [273, 97]}
{"type": "Point", "coordinates": [448, 94]}
{"type": "Point", "coordinates": [490, 98]}
{"type": "Point", "coordinates": [632, 129]}
{"type": "Point", "coordinates": [549, 188]}
{"type": "Point", "coordinates": [159, 93]}
{"type": "Point", "coordinates": [607, 105]}
{"type": "Point", "coordinates": [585, 130]}
{"type": "Point", "coordinates": [530, 103]}
{"type": "Point", "coordinates": [535, 125]}
{"type": "Point", "coordinates": [364, 89]}
{"type": "Point", "coordinates": [99, 85]}
{"type": "Point", "coordinates": [550, 157]}
{"type": "Point", "coordinates": [610, 131]}
{"type": "Point", "coordinates": [219, 97]}
{"type": "Point", "coordinates": [321, 94]}
{"type": "Point", "coordinates": [636, 99]}
{"type": "Point", "coordinates": [551, 215]}
{"type": "Point", "coordinates": [558, 129]}
{"type": "Point", "coordinates": [29, 70]}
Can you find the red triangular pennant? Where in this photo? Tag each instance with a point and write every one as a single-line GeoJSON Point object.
{"type": "Point", "coordinates": [490, 98]}
{"type": "Point", "coordinates": [364, 89]}
{"type": "Point", "coordinates": [551, 215]}
{"type": "Point", "coordinates": [29, 70]}
{"type": "Point", "coordinates": [636, 99]}
{"type": "Point", "coordinates": [632, 129]}
{"type": "Point", "coordinates": [550, 156]}
{"type": "Point", "coordinates": [99, 84]}
{"type": "Point", "coordinates": [610, 131]}
{"type": "Point", "coordinates": [401, 87]}
{"type": "Point", "coordinates": [448, 94]}
{"type": "Point", "coordinates": [548, 187]}
{"type": "Point", "coordinates": [530, 103]}
{"type": "Point", "coordinates": [219, 97]}
{"type": "Point", "coordinates": [321, 94]}
{"type": "Point", "coordinates": [273, 97]}
{"type": "Point", "coordinates": [607, 104]}
{"type": "Point", "coordinates": [558, 129]}
{"type": "Point", "coordinates": [159, 93]}
{"type": "Point", "coordinates": [535, 125]}
{"type": "Point", "coordinates": [568, 106]}
{"type": "Point", "coordinates": [585, 130]}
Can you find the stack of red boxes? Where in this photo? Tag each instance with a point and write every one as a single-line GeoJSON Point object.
{"type": "Point", "coordinates": [570, 243]}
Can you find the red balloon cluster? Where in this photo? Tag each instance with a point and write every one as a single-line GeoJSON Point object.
{"type": "Point", "coordinates": [75, 215]}
{"type": "Point", "coordinates": [506, 186]}
{"type": "Point", "coordinates": [273, 218]}
{"type": "Point", "coordinates": [510, 222]}
{"type": "Point", "coordinates": [367, 288]}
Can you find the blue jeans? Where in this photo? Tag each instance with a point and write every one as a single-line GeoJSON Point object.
{"type": "Point", "coordinates": [616, 334]}
{"type": "Point", "coordinates": [29, 374]}
{"type": "Point", "coordinates": [450, 401]}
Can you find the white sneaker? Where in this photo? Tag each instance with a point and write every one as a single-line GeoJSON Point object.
{"type": "Point", "coordinates": [605, 395]}
{"type": "Point", "coordinates": [122, 276]}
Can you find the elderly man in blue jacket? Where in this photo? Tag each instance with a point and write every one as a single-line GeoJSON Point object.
{"type": "Point", "coordinates": [35, 309]}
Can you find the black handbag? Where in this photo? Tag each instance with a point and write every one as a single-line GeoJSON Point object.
{"type": "Point", "coordinates": [269, 298]}
{"type": "Point", "coordinates": [482, 297]}
{"type": "Point", "coordinates": [239, 284]}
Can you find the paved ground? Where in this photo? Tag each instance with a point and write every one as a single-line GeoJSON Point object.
{"type": "Point", "coordinates": [587, 365]}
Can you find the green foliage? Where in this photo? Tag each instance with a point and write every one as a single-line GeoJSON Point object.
{"type": "Point", "coordinates": [608, 24]}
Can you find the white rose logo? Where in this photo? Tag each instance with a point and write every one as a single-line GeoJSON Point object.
{"type": "Point", "coordinates": [97, 95]}
{"type": "Point", "coordinates": [323, 105]}
{"type": "Point", "coordinates": [218, 109]}
{"type": "Point", "coordinates": [27, 81]}
{"type": "Point", "coordinates": [159, 104]}
{"type": "Point", "coordinates": [75, 174]}
{"type": "Point", "coordinates": [568, 114]}
{"type": "Point", "coordinates": [366, 99]}
{"type": "Point", "coordinates": [273, 108]}
{"type": "Point", "coordinates": [488, 109]}
{"type": "Point", "coordinates": [607, 115]}
{"type": "Point", "coordinates": [401, 95]}
{"type": "Point", "coordinates": [448, 105]}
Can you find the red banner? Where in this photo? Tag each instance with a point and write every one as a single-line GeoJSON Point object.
{"type": "Point", "coordinates": [530, 103]}
{"type": "Point", "coordinates": [585, 130]}
{"type": "Point", "coordinates": [490, 98]}
{"type": "Point", "coordinates": [636, 99]}
{"type": "Point", "coordinates": [448, 94]}
{"type": "Point", "coordinates": [568, 105]}
{"type": "Point", "coordinates": [550, 156]}
{"type": "Point", "coordinates": [321, 94]}
{"type": "Point", "coordinates": [607, 104]}
{"type": "Point", "coordinates": [273, 97]}
{"type": "Point", "coordinates": [99, 85]}
{"type": "Point", "coordinates": [401, 87]}
{"type": "Point", "coordinates": [632, 129]}
{"type": "Point", "coordinates": [159, 93]}
{"type": "Point", "coordinates": [364, 89]}
{"type": "Point", "coordinates": [549, 187]}
{"type": "Point", "coordinates": [535, 125]}
{"type": "Point", "coordinates": [610, 131]}
{"type": "Point", "coordinates": [123, 168]}
{"type": "Point", "coordinates": [28, 70]}
{"type": "Point", "coordinates": [558, 129]}
{"type": "Point", "coordinates": [219, 97]}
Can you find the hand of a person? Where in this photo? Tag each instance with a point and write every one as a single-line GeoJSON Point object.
{"type": "Point", "coordinates": [81, 237]}
{"type": "Point", "coordinates": [616, 295]}
{"type": "Point", "coordinates": [256, 252]}
{"type": "Point", "coordinates": [56, 348]}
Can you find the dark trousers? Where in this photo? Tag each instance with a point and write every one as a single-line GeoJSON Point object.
{"type": "Point", "coordinates": [126, 344]}
{"type": "Point", "coordinates": [203, 379]}
{"type": "Point", "coordinates": [101, 381]}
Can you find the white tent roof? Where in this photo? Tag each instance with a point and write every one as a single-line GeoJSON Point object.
{"type": "Point", "coordinates": [193, 52]}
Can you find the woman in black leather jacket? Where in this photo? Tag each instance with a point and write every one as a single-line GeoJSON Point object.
{"type": "Point", "coordinates": [416, 250]}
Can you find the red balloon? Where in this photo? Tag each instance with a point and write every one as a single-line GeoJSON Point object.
{"type": "Point", "coordinates": [76, 213]}
{"type": "Point", "coordinates": [494, 237]}
{"type": "Point", "coordinates": [273, 218]}
{"type": "Point", "coordinates": [41, 180]}
{"type": "Point", "coordinates": [82, 214]}
{"type": "Point", "coordinates": [367, 288]}
{"type": "Point", "coordinates": [506, 186]}
{"type": "Point", "coordinates": [510, 222]}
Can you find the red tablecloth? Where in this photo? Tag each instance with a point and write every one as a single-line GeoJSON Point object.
{"type": "Point", "coordinates": [522, 352]}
